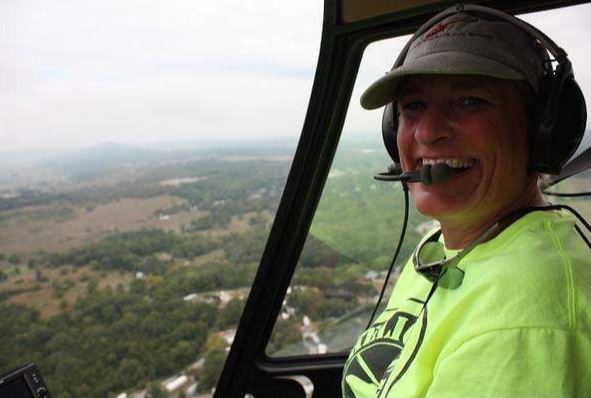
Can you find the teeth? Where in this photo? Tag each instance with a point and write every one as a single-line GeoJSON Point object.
{"type": "Point", "coordinates": [451, 162]}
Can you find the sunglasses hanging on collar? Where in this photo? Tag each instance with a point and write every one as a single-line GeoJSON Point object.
{"type": "Point", "coordinates": [430, 261]}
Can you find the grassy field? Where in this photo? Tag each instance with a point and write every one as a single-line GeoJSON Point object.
{"type": "Point", "coordinates": [54, 290]}
{"type": "Point", "coordinates": [25, 231]}
{"type": "Point", "coordinates": [55, 228]}
{"type": "Point", "coordinates": [239, 224]}
{"type": "Point", "coordinates": [57, 289]}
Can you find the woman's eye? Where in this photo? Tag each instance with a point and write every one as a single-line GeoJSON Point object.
{"type": "Point", "coordinates": [471, 101]}
{"type": "Point", "coordinates": [410, 106]}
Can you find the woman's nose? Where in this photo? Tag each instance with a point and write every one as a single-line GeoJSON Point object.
{"type": "Point", "coordinates": [433, 127]}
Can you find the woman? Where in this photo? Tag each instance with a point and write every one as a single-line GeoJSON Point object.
{"type": "Point", "coordinates": [497, 302]}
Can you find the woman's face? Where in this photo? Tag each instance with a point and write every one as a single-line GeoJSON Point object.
{"type": "Point", "coordinates": [476, 125]}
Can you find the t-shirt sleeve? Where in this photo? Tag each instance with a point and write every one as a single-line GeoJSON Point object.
{"type": "Point", "coordinates": [508, 363]}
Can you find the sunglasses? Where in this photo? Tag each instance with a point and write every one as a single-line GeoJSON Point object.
{"type": "Point", "coordinates": [430, 261]}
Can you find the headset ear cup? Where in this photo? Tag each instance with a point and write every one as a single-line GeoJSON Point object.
{"type": "Point", "coordinates": [571, 121]}
{"type": "Point", "coordinates": [389, 131]}
{"type": "Point", "coordinates": [554, 144]}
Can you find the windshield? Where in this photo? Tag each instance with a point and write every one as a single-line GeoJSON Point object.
{"type": "Point", "coordinates": [144, 147]}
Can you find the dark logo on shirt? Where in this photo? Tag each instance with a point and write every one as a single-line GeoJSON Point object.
{"type": "Point", "coordinates": [375, 351]}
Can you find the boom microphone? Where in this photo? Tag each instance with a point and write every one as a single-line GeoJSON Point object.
{"type": "Point", "coordinates": [428, 174]}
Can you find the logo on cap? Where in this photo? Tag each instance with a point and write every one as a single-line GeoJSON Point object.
{"type": "Point", "coordinates": [439, 29]}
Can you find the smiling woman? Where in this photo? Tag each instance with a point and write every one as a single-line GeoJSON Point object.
{"type": "Point", "coordinates": [454, 99]}
{"type": "Point", "coordinates": [481, 122]}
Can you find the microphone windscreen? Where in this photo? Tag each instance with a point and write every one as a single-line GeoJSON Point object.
{"type": "Point", "coordinates": [440, 172]}
{"type": "Point", "coordinates": [426, 174]}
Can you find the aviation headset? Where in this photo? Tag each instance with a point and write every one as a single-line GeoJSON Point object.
{"type": "Point", "coordinates": [560, 111]}
{"type": "Point", "coordinates": [558, 123]}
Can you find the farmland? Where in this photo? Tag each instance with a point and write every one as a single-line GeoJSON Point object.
{"type": "Point", "coordinates": [151, 255]}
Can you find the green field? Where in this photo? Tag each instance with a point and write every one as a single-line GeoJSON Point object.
{"type": "Point", "coordinates": [141, 271]}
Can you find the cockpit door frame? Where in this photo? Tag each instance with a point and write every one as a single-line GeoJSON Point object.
{"type": "Point", "coordinates": [247, 369]}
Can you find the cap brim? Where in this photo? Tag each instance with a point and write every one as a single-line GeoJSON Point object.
{"type": "Point", "coordinates": [384, 90]}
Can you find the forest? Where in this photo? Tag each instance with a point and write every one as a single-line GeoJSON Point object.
{"type": "Point", "coordinates": [127, 306]}
{"type": "Point", "coordinates": [115, 278]}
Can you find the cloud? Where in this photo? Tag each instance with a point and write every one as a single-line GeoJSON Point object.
{"type": "Point", "coordinates": [77, 73]}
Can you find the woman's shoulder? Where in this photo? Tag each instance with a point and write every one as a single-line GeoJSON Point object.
{"type": "Point", "coordinates": [537, 274]}
{"type": "Point", "coordinates": [541, 242]}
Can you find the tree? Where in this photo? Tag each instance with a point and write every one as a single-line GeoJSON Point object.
{"type": "Point", "coordinates": [92, 286]}
{"type": "Point", "coordinates": [39, 277]}
{"type": "Point", "coordinates": [331, 308]}
{"type": "Point", "coordinates": [285, 333]}
{"type": "Point", "coordinates": [155, 391]}
{"type": "Point", "coordinates": [14, 259]}
{"type": "Point", "coordinates": [130, 372]}
{"type": "Point", "coordinates": [305, 301]}
{"type": "Point", "coordinates": [183, 352]}
{"type": "Point", "coordinates": [212, 367]}
{"type": "Point", "coordinates": [230, 314]}
{"type": "Point", "coordinates": [215, 342]}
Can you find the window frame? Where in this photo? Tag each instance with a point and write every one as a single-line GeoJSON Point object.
{"type": "Point", "coordinates": [248, 370]}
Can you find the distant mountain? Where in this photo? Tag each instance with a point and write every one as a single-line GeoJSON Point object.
{"type": "Point", "coordinates": [93, 162]}
{"type": "Point", "coordinates": [27, 156]}
{"type": "Point", "coordinates": [225, 146]}
{"type": "Point", "coordinates": [107, 154]}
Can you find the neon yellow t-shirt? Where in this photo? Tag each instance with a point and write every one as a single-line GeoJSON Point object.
{"type": "Point", "coordinates": [518, 326]}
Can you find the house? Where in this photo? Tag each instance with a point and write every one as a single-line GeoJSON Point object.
{"type": "Point", "coordinates": [372, 275]}
{"type": "Point", "coordinates": [228, 336]}
{"type": "Point", "coordinates": [190, 297]}
{"type": "Point", "coordinates": [176, 383]}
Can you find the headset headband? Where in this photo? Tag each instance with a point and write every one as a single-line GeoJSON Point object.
{"type": "Point", "coordinates": [557, 52]}
{"type": "Point", "coordinates": [560, 114]}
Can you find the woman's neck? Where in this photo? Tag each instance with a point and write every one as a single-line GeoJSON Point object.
{"type": "Point", "coordinates": [460, 233]}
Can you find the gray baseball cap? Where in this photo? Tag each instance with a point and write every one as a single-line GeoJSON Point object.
{"type": "Point", "coordinates": [464, 44]}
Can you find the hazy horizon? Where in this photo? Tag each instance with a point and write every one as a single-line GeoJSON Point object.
{"type": "Point", "coordinates": [77, 74]}
{"type": "Point", "coordinates": [206, 141]}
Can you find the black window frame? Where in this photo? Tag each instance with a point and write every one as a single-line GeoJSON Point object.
{"type": "Point", "coordinates": [248, 370]}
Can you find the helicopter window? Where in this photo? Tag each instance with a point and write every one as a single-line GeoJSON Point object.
{"type": "Point", "coordinates": [352, 236]}
{"type": "Point", "coordinates": [552, 23]}
{"type": "Point", "coordinates": [144, 148]}
{"type": "Point", "coordinates": [358, 220]}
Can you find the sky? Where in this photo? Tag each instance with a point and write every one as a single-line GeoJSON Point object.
{"type": "Point", "coordinates": [77, 73]}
